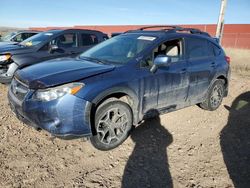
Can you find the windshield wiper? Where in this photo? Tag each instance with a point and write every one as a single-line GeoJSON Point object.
{"type": "Point", "coordinates": [93, 59]}
{"type": "Point", "coordinates": [19, 44]}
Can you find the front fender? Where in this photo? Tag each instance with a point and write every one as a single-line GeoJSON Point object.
{"type": "Point", "coordinates": [24, 61]}
{"type": "Point", "coordinates": [117, 90]}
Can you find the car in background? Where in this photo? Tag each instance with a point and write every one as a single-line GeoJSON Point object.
{"type": "Point", "coordinates": [16, 37]}
{"type": "Point", "coordinates": [44, 46]}
{"type": "Point", "coordinates": [109, 88]}
{"type": "Point", "coordinates": [115, 34]}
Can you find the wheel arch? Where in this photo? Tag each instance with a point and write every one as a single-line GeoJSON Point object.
{"type": "Point", "coordinates": [223, 77]}
{"type": "Point", "coordinates": [124, 94]}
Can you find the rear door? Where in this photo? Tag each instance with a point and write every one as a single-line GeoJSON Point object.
{"type": "Point", "coordinates": [201, 65]}
{"type": "Point", "coordinates": [68, 44]}
{"type": "Point", "coordinates": [88, 39]}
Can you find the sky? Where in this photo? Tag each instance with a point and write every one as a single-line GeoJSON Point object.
{"type": "Point", "coordinates": [35, 13]}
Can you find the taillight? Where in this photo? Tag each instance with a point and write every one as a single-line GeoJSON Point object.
{"type": "Point", "coordinates": [228, 59]}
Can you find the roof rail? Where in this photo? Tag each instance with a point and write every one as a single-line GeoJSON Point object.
{"type": "Point", "coordinates": [173, 29]}
{"type": "Point", "coordinates": [193, 31]}
{"type": "Point", "coordinates": [161, 26]}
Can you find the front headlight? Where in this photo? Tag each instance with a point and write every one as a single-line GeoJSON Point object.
{"type": "Point", "coordinates": [57, 92]}
{"type": "Point", "coordinates": [5, 57]}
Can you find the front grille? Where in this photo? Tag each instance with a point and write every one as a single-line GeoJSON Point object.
{"type": "Point", "coordinates": [19, 89]}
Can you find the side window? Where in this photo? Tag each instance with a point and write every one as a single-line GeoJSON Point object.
{"type": "Point", "coordinates": [89, 39]}
{"type": "Point", "coordinates": [65, 41]}
{"type": "Point", "coordinates": [213, 49]}
{"type": "Point", "coordinates": [18, 38]}
{"type": "Point", "coordinates": [28, 35]}
{"type": "Point", "coordinates": [25, 36]}
{"type": "Point", "coordinates": [171, 48]}
{"type": "Point", "coordinates": [197, 48]}
{"type": "Point", "coordinates": [147, 61]}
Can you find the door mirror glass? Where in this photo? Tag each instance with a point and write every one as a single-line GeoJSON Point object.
{"type": "Point", "coordinates": [161, 60]}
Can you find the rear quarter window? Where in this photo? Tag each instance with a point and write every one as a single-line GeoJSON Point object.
{"type": "Point", "coordinates": [217, 50]}
{"type": "Point", "coordinates": [213, 50]}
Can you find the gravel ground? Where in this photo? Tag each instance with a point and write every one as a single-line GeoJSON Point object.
{"type": "Point", "coordinates": [187, 148]}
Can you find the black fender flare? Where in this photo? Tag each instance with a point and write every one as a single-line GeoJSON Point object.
{"type": "Point", "coordinates": [117, 90]}
{"type": "Point", "coordinates": [216, 76]}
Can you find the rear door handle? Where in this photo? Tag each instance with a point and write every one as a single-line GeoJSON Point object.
{"type": "Point", "coordinates": [213, 64]}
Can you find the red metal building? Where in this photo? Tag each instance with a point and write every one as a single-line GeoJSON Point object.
{"type": "Point", "coordinates": [235, 35]}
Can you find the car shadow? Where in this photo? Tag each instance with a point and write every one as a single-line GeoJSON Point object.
{"type": "Point", "coordinates": [235, 141]}
{"type": "Point", "coordinates": [148, 165]}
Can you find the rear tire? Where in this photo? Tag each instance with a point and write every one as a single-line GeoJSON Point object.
{"type": "Point", "coordinates": [113, 122]}
{"type": "Point", "coordinates": [215, 96]}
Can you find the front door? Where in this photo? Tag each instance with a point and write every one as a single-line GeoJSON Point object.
{"type": "Point", "coordinates": [168, 86]}
{"type": "Point", "coordinates": [67, 47]}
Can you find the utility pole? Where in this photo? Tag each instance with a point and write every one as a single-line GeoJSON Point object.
{"type": "Point", "coordinates": [220, 25]}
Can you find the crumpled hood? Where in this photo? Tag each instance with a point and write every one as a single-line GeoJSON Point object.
{"type": "Point", "coordinates": [15, 49]}
{"type": "Point", "coordinates": [59, 71]}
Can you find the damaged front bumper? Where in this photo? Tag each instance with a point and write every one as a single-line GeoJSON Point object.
{"type": "Point", "coordinates": [7, 72]}
{"type": "Point", "coordinates": [66, 118]}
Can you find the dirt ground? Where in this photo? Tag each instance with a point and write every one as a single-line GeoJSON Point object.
{"type": "Point", "coordinates": [187, 148]}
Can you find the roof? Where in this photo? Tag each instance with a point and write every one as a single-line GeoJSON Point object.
{"type": "Point", "coordinates": [163, 30]}
{"type": "Point", "coordinates": [28, 31]}
{"type": "Point", "coordinates": [58, 30]}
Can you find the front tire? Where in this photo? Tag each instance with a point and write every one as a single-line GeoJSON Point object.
{"type": "Point", "coordinates": [113, 122]}
{"type": "Point", "coordinates": [215, 96]}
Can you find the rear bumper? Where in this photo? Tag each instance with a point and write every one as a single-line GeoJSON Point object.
{"type": "Point", "coordinates": [67, 117]}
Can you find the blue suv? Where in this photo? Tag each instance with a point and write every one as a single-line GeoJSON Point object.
{"type": "Point", "coordinates": [120, 82]}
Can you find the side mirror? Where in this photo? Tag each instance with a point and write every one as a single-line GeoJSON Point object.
{"type": "Point", "coordinates": [53, 48]}
{"type": "Point", "coordinates": [161, 60]}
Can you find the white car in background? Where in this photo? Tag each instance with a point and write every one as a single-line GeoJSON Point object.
{"type": "Point", "coordinates": [16, 37]}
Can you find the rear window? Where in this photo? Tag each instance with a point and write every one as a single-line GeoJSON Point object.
{"type": "Point", "coordinates": [197, 48]}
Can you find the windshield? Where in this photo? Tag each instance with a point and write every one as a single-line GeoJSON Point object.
{"type": "Point", "coordinates": [37, 39]}
{"type": "Point", "coordinates": [120, 49]}
{"type": "Point", "coordinates": [8, 36]}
